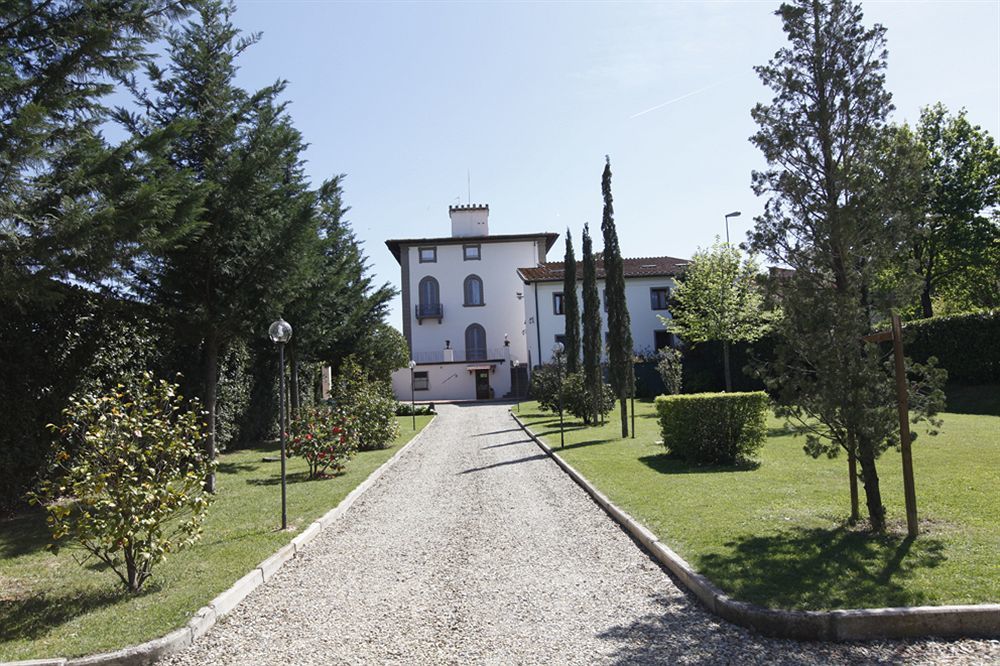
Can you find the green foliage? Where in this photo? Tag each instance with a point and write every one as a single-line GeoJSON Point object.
{"type": "Point", "coordinates": [592, 342]}
{"type": "Point", "coordinates": [713, 428]}
{"type": "Point", "coordinates": [571, 308]}
{"type": "Point", "coordinates": [671, 369]}
{"type": "Point", "coordinates": [125, 484]}
{"type": "Point", "coordinates": [325, 437]}
{"type": "Point", "coordinates": [544, 386]}
{"type": "Point", "coordinates": [719, 298]}
{"type": "Point", "coordinates": [620, 347]}
{"type": "Point", "coordinates": [961, 182]}
{"type": "Point", "coordinates": [382, 351]}
{"type": "Point", "coordinates": [843, 202]}
{"type": "Point", "coordinates": [965, 345]}
{"type": "Point", "coordinates": [369, 403]}
{"type": "Point", "coordinates": [579, 401]}
{"type": "Point", "coordinates": [404, 409]}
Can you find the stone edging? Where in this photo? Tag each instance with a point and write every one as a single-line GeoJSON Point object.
{"type": "Point", "coordinates": [206, 617]}
{"type": "Point", "coordinates": [840, 625]}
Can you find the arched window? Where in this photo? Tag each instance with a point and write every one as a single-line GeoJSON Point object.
{"type": "Point", "coordinates": [475, 343]}
{"type": "Point", "coordinates": [429, 299]}
{"type": "Point", "coordinates": [473, 290]}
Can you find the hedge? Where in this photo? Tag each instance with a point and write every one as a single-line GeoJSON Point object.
{"type": "Point", "coordinates": [966, 345]}
{"type": "Point", "coordinates": [713, 428]}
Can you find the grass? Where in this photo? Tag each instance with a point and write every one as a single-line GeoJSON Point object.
{"type": "Point", "coordinates": [51, 606]}
{"type": "Point", "coordinates": [776, 533]}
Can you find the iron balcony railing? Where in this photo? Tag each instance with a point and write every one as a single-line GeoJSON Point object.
{"type": "Point", "coordinates": [461, 355]}
{"type": "Point", "coordinates": [430, 311]}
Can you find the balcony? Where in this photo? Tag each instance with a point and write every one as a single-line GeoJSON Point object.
{"type": "Point", "coordinates": [460, 355]}
{"type": "Point", "coordinates": [429, 311]}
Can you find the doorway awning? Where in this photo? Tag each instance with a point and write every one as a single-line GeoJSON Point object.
{"type": "Point", "coordinates": [491, 367]}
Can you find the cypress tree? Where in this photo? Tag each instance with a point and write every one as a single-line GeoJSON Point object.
{"type": "Point", "coordinates": [622, 372]}
{"type": "Point", "coordinates": [591, 326]}
{"type": "Point", "coordinates": [571, 309]}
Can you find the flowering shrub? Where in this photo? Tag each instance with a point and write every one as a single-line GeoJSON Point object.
{"type": "Point", "coordinates": [125, 483]}
{"type": "Point", "coordinates": [325, 437]}
{"type": "Point", "coordinates": [371, 404]}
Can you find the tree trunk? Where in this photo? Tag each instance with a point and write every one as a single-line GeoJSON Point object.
{"type": "Point", "coordinates": [624, 410]}
{"type": "Point", "coordinates": [725, 364]}
{"type": "Point", "coordinates": [873, 497]}
{"type": "Point", "coordinates": [852, 469]}
{"type": "Point", "coordinates": [210, 369]}
{"type": "Point", "coordinates": [925, 301]}
{"type": "Point", "coordinates": [293, 394]}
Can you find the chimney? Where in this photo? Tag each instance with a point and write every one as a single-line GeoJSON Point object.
{"type": "Point", "coordinates": [469, 220]}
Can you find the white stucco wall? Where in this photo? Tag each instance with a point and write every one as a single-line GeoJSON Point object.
{"type": "Point", "coordinates": [643, 318]}
{"type": "Point", "coordinates": [450, 381]}
{"type": "Point", "coordinates": [503, 312]}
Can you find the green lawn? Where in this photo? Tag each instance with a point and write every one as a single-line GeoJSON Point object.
{"type": "Point", "coordinates": [776, 534]}
{"type": "Point", "coordinates": [51, 606]}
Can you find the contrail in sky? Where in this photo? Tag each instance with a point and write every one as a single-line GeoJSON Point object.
{"type": "Point", "coordinates": [676, 99]}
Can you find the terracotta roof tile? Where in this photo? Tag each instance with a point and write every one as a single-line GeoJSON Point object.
{"type": "Point", "coordinates": [552, 271]}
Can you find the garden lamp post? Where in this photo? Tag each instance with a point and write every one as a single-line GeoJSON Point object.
{"type": "Point", "coordinates": [280, 333]}
{"type": "Point", "coordinates": [557, 349]}
{"type": "Point", "coordinates": [517, 393]}
{"type": "Point", "coordinates": [735, 213]}
{"type": "Point", "coordinates": [413, 407]}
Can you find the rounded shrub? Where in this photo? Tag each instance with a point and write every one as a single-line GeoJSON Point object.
{"type": "Point", "coordinates": [713, 428]}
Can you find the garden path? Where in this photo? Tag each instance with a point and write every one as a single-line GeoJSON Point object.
{"type": "Point", "coordinates": [475, 548]}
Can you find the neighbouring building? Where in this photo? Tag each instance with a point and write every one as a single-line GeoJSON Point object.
{"type": "Point", "coordinates": [481, 310]}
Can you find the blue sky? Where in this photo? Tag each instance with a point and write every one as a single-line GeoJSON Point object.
{"type": "Point", "coordinates": [409, 99]}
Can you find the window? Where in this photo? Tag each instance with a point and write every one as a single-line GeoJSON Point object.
{"type": "Point", "coordinates": [662, 339]}
{"type": "Point", "coordinates": [473, 290]}
{"type": "Point", "coordinates": [429, 299]}
{"type": "Point", "coordinates": [658, 297]}
{"type": "Point", "coordinates": [421, 382]}
{"type": "Point", "coordinates": [557, 303]}
{"type": "Point", "coordinates": [475, 343]}
{"type": "Point", "coordinates": [470, 252]}
{"type": "Point", "coordinates": [428, 255]}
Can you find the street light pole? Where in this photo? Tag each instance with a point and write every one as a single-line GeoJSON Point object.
{"type": "Point", "coordinates": [735, 213]}
{"type": "Point", "coordinates": [280, 333]}
{"type": "Point", "coordinates": [516, 389]}
{"type": "Point", "coordinates": [558, 351]}
{"type": "Point", "coordinates": [413, 408]}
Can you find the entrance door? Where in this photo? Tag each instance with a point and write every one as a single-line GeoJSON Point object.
{"type": "Point", "coordinates": [482, 384]}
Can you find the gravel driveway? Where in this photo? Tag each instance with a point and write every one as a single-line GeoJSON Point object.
{"type": "Point", "coordinates": [475, 548]}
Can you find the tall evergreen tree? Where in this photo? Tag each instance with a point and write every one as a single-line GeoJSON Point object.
{"type": "Point", "coordinates": [840, 217]}
{"type": "Point", "coordinates": [73, 207]}
{"type": "Point", "coordinates": [591, 326]}
{"type": "Point", "coordinates": [620, 347]}
{"type": "Point", "coordinates": [257, 217]}
{"type": "Point", "coordinates": [571, 308]}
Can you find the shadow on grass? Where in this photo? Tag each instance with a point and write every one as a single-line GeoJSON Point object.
{"type": "Point", "coordinates": [664, 463]}
{"type": "Point", "coordinates": [34, 616]}
{"type": "Point", "coordinates": [819, 568]}
{"type": "Point", "coordinates": [24, 534]}
{"type": "Point", "coordinates": [236, 467]}
{"type": "Point", "coordinates": [296, 477]}
{"type": "Point", "coordinates": [780, 431]}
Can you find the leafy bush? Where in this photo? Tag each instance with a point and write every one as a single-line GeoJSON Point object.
{"type": "Point", "coordinates": [125, 483]}
{"type": "Point", "coordinates": [671, 369]}
{"type": "Point", "coordinates": [404, 409]}
{"type": "Point", "coordinates": [544, 387]}
{"type": "Point", "coordinates": [577, 402]}
{"type": "Point", "coordinates": [965, 345]}
{"type": "Point", "coordinates": [713, 428]}
{"type": "Point", "coordinates": [370, 404]}
{"type": "Point", "coordinates": [325, 437]}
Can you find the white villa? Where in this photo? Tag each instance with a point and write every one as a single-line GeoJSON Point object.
{"type": "Point", "coordinates": [481, 310]}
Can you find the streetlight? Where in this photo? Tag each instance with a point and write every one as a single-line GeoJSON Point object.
{"type": "Point", "coordinates": [280, 333]}
{"type": "Point", "coordinates": [517, 393]}
{"type": "Point", "coordinates": [413, 408]}
{"type": "Point", "coordinates": [557, 349]}
{"type": "Point", "coordinates": [735, 213]}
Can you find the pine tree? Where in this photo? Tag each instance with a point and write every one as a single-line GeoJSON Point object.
{"type": "Point", "coordinates": [256, 222]}
{"type": "Point", "coordinates": [591, 326]}
{"type": "Point", "coordinates": [841, 217]}
{"type": "Point", "coordinates": [571, 309]}
{"type": "Point", "coordinates": [620, 348]}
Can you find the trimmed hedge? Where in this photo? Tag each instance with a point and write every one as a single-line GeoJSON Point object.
{"type": "Point", "coordinates": [966, 345]}
{"type": "Point", "coordinates": [713, 428]}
